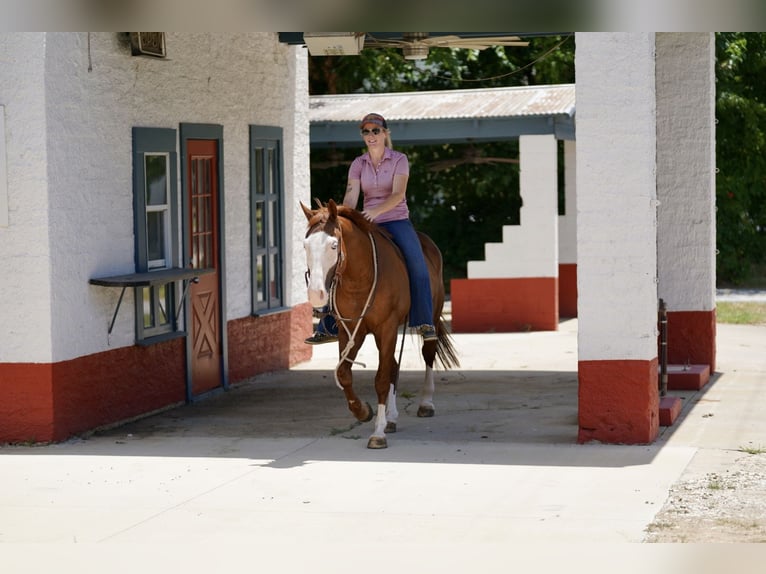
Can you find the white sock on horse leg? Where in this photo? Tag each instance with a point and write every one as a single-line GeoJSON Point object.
{"type": "Point", "coordinates": [380, 422]}
{"type": "Point", "coordinates": [392, 413]}
{"type": "Point", "coordinates": [427, 392]}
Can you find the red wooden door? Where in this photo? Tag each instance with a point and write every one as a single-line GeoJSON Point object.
{"type": "Point", "coordinates": [205, 320]}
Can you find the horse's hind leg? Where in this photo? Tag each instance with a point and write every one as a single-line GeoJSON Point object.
{"type": "Point", "coordinates": [426, 405]}
{"type": "Point", "coordinates": [392, 413]}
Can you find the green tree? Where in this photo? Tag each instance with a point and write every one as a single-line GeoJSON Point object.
{"type": "Point", "coordinates": [740, 155]}
{"type": "Point", "coordinates": [464, 206]}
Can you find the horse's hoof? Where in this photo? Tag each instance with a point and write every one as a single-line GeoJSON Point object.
{"type": "Point", "coordinates": [377, 442]}
{"type": "Point", "coordinates": [390, 427]}
{"type": "Point", "coordinates": [425, 411]}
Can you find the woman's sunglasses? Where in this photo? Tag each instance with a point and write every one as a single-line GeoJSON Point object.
{"type": "Point", "coordinates": [374, 131]}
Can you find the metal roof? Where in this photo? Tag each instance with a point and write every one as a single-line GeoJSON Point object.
{"type": "Point", "coordinates": [486, 114]}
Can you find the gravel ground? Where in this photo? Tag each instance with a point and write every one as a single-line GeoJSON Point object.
{"type": "Point", "coordinates": [726, 506]}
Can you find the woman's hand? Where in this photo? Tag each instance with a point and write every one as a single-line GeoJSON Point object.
{"type": "Point", "coordinates": [369, 214]}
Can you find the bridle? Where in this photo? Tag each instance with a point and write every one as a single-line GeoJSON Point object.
{"type": "Point", "coordinates": [332, 289]}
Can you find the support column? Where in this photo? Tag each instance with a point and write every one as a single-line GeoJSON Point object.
{"type": "Point", "coordinates": [515, 288]}
{"type": "Point", "coordinates": [617, 238]}
{"type": "Point", "coordinates": [686, 190]}
{"type": "Point", "coordinates": [568, 236]}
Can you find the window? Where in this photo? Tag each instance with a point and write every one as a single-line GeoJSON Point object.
{"type": "Point", "coordinates": [266, 220]}
{"type": "Point", "coordinates": [155, 200]}
{"type": "Point", "coordinates": [157, 209]}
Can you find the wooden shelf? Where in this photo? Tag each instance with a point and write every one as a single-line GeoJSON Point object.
{"type": "Point", "coordinates": [148, 279]}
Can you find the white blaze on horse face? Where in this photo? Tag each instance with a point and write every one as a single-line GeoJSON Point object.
{"type": "Point", "coordinates": [321, 257]}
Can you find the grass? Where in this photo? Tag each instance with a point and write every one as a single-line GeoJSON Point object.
{"type": "Point", "coordinates": [741, 312]}
{"type": "Point", "coordinates": [752, 449]}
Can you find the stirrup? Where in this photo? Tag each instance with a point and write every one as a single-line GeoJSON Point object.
{"type": "Point", "coordinates": [428, 332]}
{"type": "Point", "coordinates": [320, 338]}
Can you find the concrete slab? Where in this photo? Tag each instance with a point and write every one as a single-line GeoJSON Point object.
{"type": "Point", "coordinates": [275, 473]}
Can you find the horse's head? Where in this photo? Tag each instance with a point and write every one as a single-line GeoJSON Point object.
{"type": "Point", "coordinates": [323, 245]}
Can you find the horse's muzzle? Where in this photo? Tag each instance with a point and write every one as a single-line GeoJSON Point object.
{"type": "Point", "coordinates": [318, 298]}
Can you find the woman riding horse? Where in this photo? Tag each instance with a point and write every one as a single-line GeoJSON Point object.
{"type": "Point", "coordinates": [381, 174]}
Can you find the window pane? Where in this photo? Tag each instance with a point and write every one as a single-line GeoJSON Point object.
{"type": "Point", "coordinates": [272, 172]}
{"type": "Point", "coordinates": [163, 299]}
{"type": "Point", "coordinates": [260, 237]}
{"type": "Point", "coordinates": [274, 276]}
{"type": "Point", "coordinates": [156, 170]}
{"type": "Point", "coordinates": [259, 171]}
{"type": "Point", "coordinates": [155, 240]}
{"type": "Point", "coordinates": [273, 220]}
{"type": "Point", "coordinates": [148, 312]}
{"type": "Point", "coordinates": [195, 251]}
{"type": "Point", "coordinates": [260, 279]}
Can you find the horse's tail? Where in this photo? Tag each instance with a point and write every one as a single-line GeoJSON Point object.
{"type": "Point", "coordinates": [445, 350]}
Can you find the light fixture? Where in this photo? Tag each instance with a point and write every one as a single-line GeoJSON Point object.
{"type": "Point", "coordinates": [148, 44]}
{"type": "Point", "coordinates": [334, 43]}
{"type": "Point", "coordinates": [414, 49]}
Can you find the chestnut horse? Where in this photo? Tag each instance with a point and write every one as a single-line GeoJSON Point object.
{"type": "Point", "coordinates": [355, 267]}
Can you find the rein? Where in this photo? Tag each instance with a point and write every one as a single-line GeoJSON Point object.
{"type": "Point", "coordinates": [342, 320]}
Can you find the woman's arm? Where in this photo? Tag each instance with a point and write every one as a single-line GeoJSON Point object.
{"type": "Point", "coordinates": [396, 197]}
{"type": "Point", "coordinates": [351, 198]}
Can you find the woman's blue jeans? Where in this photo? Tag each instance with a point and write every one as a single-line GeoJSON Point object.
{"type": "Point", "coordinates": [405, 237]}
{"type": "Point", "coordinates": [421, 307]}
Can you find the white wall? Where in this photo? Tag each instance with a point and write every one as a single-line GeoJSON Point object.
{"type": "Point", "coordinates": [686, 170]}
{"type": "Point", "coordinates": [25, 285]}
{"type": "Point", "coordinates": [297, 175]}
{"type": "Point", "coordinates": [80, 123]}
{"type": "Point", "coordinates": [616, 196]}
{"type": "Point", "coordinates": [531, 248]}
{"type": "Point", "coordinates": [568, 221]}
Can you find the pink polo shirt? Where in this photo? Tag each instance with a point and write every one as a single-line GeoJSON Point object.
{"type": "Point", "coordinates": [378, 185]}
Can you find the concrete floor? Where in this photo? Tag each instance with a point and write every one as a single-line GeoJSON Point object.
{"type": "Point", "coordinates": [275, 474]}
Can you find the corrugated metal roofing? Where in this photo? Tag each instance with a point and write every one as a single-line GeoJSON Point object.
{"type": "Point", "coordinates": [506, 103]}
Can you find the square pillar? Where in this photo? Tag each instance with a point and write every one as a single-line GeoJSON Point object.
{"type": "Point", "coordinates": [616, 238]}
{"type": "Point", "coordinates": [686, 243]}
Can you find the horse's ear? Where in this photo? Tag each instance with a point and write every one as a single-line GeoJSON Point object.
{"type": "Point", "coordinates": [307, 211]}
{"type": "Point", "coordinates": [332, 207]}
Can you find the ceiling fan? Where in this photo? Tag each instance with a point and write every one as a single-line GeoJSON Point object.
{"type": "Point", "coordinates": [416, 45]}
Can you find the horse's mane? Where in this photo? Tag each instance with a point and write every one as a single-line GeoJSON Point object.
{"type": "Point", "coordinates": [322, 216]}
{"type": "Point", "coordinates": [356, 218]}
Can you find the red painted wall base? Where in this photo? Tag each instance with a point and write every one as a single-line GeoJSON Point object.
{"type": "Point", "coordinates": [618, 401]}
{"type": "Point", "coordinates": [52, 402]}
{"type": "Point", "coordinates": [691, 338]}
{"type": "Point", "coordinates": [568, 290]}
{"type": "Point", "coordinates": [268, 343]}
{"type": "Point", "coordinates": [688, 377]}
{"type": "Point", "coordinates": [504, 305]}
{"type": "Point", "coordinates": [670, 408]}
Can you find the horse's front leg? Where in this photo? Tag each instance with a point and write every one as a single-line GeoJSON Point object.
{"type": "Point", "coordinates": [361, 411]}
{"type": "Point", "coordinates": [385, 388]}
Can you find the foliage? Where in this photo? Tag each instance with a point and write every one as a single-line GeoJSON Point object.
{"type": "Point", "coordinates": [741, 155]}
{"type": "Point", "coordinates": [460, 207]}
